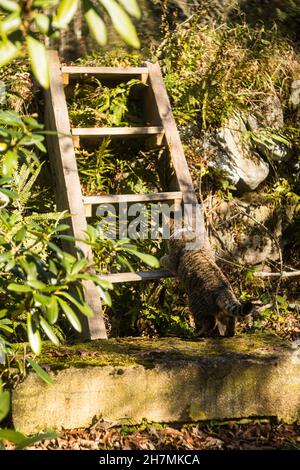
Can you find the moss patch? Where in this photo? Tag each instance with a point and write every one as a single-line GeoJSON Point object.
{"type": "Point", "coordinates": [149, 352]}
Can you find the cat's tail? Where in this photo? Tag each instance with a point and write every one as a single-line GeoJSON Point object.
{"type": "Point", "coordinates": [239, 309]}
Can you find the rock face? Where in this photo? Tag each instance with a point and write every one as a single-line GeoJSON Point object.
{"type": "Point", "coordinates": [165, 380]}
{"type": "Point", "coordinates": [236, 158]}
{"type": "Point", "coordinates": [236, 235]}
{"type": "Point", "coordinates": [294, 100]}
{"type": "Point", "coordinates": [266, 125]}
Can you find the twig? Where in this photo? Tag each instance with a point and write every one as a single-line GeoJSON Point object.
{"type": "Point", "coordinates": [281, 274]}
{"type": "Point", "coordinates": [277, 246]}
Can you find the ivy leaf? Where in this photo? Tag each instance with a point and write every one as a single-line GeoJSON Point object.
{"type": "Point", "coordinates": [34, 336]}
{"type": "Point", "coordinates": [122, 23]}
{"type": "Point", "coordinates": [38, 60]}
{"type": "Point", "coordinates": [97, 26]}
{"type": "Point", "coordinates": [131, 6]}
{"type": "Point", "coordinates": [65, 13]}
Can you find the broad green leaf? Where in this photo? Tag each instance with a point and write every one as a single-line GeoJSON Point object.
{"type": "Point", "coordinates": [122, 22]}
{"type": "Point", "coordinates": [9, 5]}
{"type": "Point", "coordinates": [38, 60]}
{"type": "Point", "coordinates": [78, 266]}
{"type": "Point", "coordinates": [8, 52]}
{"type": "Point", "coordinates": [71, 316]}
{"type": "Point", "coordinates": [49, 331]}
{"type": "Point", "coordinates": [97, 26]}
{"type": "Point", "coordinates": [11, 23]}
{"type": "Point", "coordinates": [34, 336]}
{"type": "Point", "coordinates": [9, 163]}
{"type": "Point", "coordinates": [52, 311]}
{"type": "Point", "coordinates": [43, 23]}
{"type": "Point", "coordinates": [11, 118]}
{"type": "Point", "coordinates": [43, 299]}
{"type": "Point", "coordinates": [103, 283]}
{"type": "Point", "coordinates": [18, 287]}
{"type": "Point", "coordinates": [65, 13]}
{"type": "Point", "coordinates": [28, 441]}
{"type": "Point", "coordinates": [147, 259]}
{"type": "Point", "coordinates": [39, 285]}
{"type": "Point", "coordinates": [85, 309]}
{"type": "Point", "coordinates": [40, 371]}
{"type": "Point", "coordinates": [105, 296]}
{"type": "Point", "coordinates": [4, 404]}
{"type": "Point", "coordinates": [11, 436]}
{"type": "Point", "coordinates": [131, 6]}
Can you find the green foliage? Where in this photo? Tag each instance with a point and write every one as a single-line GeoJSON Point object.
{"type": "Point", "coordinates": [210, 73]}
{"type": "Point", "coordinates": [154, 309]}
{"type": "Point", "coordinates": [93, 104]}
{"type": "Point", "coordinates": [108, 170]}
{"type": "Point", "coordinates": [24, 24]}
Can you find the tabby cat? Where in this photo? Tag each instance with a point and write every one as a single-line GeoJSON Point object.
{"type": "Point", "coordinates": [211, 299]}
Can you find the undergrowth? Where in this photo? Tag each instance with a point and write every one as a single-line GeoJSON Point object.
{"type": "Point", "coordinates": [211, 74]}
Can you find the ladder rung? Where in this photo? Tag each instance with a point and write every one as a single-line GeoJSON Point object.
{"type": "Point", "coordinates": [134, 277]}
{"type": "Point", "coordinates": [89, 201]}
{"type": "Point", "coordinates": [115, 132]}
{"type": "Point", "coordinates": [105, 72]}
{"type": "Point", "coordinates": [80, 70]}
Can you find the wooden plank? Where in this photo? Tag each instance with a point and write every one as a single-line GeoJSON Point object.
{"type": "Point", "coordinates": [117, 198]}
{"type": "Point", "coordinates": [68, 191]}
{"type": "Point", "coordinates": [172, 138]}
{"type": "Point", "coordinates": [89, 201]}
{"type": "Point", "coordinates": [116, 132]}
{"type": "Point", "coordinates": [136, 277]}
{"type": "Point", "coordinates": [106, 72]}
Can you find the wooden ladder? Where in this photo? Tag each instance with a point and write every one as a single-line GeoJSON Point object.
{"type": "Point", "coordinates": [160, 130]}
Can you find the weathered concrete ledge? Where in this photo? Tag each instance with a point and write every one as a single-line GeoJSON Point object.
{"type": "Point", "coordinates": [164, 380]}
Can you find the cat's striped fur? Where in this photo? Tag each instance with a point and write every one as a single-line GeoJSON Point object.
{"type": "Point", "coordinates": [211, 299]}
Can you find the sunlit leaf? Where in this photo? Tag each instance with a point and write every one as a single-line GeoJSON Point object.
{"type": "Point", "coordinates": [4, 404]}
{"type": "Point", "coordinates": [11, 23]}
{"type": "Point", "coordinates": [38, 60]}
{"type": "Point", "coordinates": [34, 336]}
{"type": "Point", "coordinates": [8, 52]}
{"type": "Point", "coordinates": [147, 259]}
{"type": "Point", "coordinates": [122, 22]}
{"type": "Point", "coordinates": [65, 13]}
{"type": "Point", "coordinates": [9, 5]}
{"type": "Point", "coordinates": [85, 309]}
{"type": "Point", "coordinates": [49, 331]}
{"type": "Point", "coordinates": [43, 23]}
{"type": "Point", "coordinates": [131, 6]}
{"type": "Point", "coordinates": [70, 314]}
{"type": "Point", "coordinates": [40, 371]}
{"type": "Point", "coordinates": [96, 25]}
{"type": "Point", "coordinates": [9, 163]}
